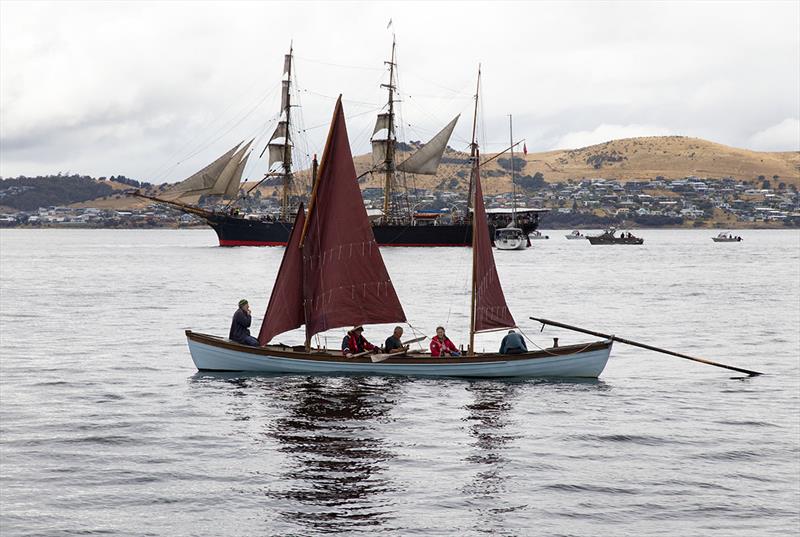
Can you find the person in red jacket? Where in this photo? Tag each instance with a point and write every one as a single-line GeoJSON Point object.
{"type": "Point", "coordinates": [442, 346]}
{"type": "Point", "coordinates": [354, 342]}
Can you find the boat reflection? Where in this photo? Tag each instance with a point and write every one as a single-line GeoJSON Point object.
{"type": "Point", "coordinates": [328, 430]}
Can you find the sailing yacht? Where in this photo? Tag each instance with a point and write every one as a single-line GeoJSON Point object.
{"type": "Point", "coordinates": [511, 237]}
{"type": "Point", "coordinates": [332, 275]}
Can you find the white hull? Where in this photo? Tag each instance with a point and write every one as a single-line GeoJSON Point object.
{"type": "Point", "coordinates": [586, 361]}
{"type": "Point", "coordinates": [512, 244]}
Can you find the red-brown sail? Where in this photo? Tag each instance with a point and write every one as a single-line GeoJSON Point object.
{"type": "Point", "coordinates": [285, 308]}
{"type": "Point", "coordinates": [345, 280]}
{"type": "Point", "coordinates": [491, 311]}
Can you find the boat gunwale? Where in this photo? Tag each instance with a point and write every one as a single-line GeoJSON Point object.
{"type": "Point", "coordinates": [285, 351]}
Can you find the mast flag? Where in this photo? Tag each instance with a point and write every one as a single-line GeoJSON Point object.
{"type": "Point", "coordinates": [285, 308]}
{"type": "Point", "coordinates": [425, 161]}
{"type": "Point", "coordinates": [491, 311]}
{"type": "Point", "coordinates": [345, 280]}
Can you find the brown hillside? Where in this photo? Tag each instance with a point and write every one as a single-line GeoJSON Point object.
{"type": "Point", "coordinates": [630, 159]}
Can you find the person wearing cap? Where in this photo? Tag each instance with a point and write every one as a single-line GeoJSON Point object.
{"type": "Point", "coordinates": [513, 343]}
{"type": "Point", "coordinates": [355, 342]}
{"type": "Point", "coordinates": [240, 326]}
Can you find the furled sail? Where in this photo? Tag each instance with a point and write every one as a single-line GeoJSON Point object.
{"type": "Point", "coordinates": [425, 160]}
{"type": "Point", "coordinates": [380, 139]}
{"type": "Point", "coordinates": [345, 280]}
{"type": "Point", "coordinates": [285, 308]}
{"type": "Point", "coordinates": [491, 311]}
{"type": "Point", "coordinates": [201, 182]}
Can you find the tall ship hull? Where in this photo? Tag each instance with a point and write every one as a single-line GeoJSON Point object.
{"type": "Point", "coordinates": [238, 231]}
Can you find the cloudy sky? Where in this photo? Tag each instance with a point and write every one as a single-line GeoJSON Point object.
{"type": "Point", "coordinates": [155, 91]}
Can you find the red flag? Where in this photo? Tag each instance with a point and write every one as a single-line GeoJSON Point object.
{"type": "Point", "coordinates": [524, 148]}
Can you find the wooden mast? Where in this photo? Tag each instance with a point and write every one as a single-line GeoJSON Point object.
{"type": "Point", "coordinates": [287, 149]}
{"type": "Point", "coordinates": [389, 159]}
{"type": "Point", "coordinates": [475, 158]}
{"type": "Point", "coordinates": [473, 147]}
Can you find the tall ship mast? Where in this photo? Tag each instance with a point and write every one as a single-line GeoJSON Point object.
{"type": "Point", "coordinates": [399, 223]}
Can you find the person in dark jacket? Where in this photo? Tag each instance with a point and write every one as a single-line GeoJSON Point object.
{"type": "Point", "coordinates": [513, 343]}
{"type": "Point", "coordinates": [354, 342]}
{"type": "Point", "coordinates": [240, 326]}
{"type": "Point", "coordinates": [393, 342]}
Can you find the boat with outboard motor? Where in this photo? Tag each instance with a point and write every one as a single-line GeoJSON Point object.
{"type": "Point", "coordinates": [609, 237]}
{"type": "Point", "coordinates": [726, 237]}
{"type": "Point", "coordinates": [575, 235]}
{"type": "Point", "coordinates": [332, 275]}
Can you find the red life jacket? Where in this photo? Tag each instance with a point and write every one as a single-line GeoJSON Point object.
{"type": "Point", "coordinates": [438, 347]}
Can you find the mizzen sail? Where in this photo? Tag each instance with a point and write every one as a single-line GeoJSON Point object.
{"type": "Point", "coordinates": [285, 308]}
{"type": "Point", "coordinates": [425, 161]}
{"type": "Point", "coordinates": [491, 311]}
{"type": "Point", "coordinates": [345, 280]}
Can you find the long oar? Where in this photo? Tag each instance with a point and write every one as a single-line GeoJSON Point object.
{"type": "Point", "coordinates": [364, 353]}
{"type": "Point", "coordinates": [382, 357]}
{"type": "Point", "coordinates": [646, 346]}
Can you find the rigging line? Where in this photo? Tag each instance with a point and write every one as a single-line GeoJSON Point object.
{"type": "Point", "coordinates": [346, 101]}
{"type": "Point", "coordinates": [467, 85]}
{"type": "Point", "coordinates": [351, 116]}
{"type": "Point", "coordinates": [545, 350]}
{"type": "Point", "coordinates": [320, 62]}
{"type": "Point", "coordinates": [159, 171]}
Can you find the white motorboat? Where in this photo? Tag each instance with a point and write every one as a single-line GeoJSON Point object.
{"type": "Point", "coordinates": [575, 235]}
{"type": "Point", "coordinates": [510, 238]}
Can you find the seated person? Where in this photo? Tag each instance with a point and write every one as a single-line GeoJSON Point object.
{"type": "Point", "coordinates": [513, 343]}
{"type": "Point", "coordinates": [393, 342]}
{"type": "Point", "coordinates": [354, 342]}
{"type": "Point", "coordinates": [240, 326]}
{"type": "Point", "coordinates": [442, 346]}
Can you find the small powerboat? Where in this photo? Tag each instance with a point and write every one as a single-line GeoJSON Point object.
{"type": "Point", "coordinates": [537, 236]}
{"type": "Point", "coordinates": [575, 235]}
{"type": "Point", "coordinates": [609, 237]}
{"type": "Point", "coordinates": [726, 236]}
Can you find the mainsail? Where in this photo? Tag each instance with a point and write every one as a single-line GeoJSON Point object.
{"type": "Point", "coordinates": [425, 161]}
{"type": "Point", "coordinates": [332, 273]}
{"type": "Point", "coordinates": [285, 308]}
{"type": "Point", "coordinates": [345, 280]}
{"type": "Point", "coordinates": [490, 309]}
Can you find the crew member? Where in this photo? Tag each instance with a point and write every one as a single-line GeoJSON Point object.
{"type": "Point", "coordinates": [240, 326]}
{"type": "Point", "coordinates": [393, 343]}
{"type": "Point", "coordinates": [513, 343]}
{"type": "Point", "coordinates": [441, 345]}
{"type": "Point", "coordinates": [354, 342]}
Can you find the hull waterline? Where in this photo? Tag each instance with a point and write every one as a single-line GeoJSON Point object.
{"type": "Point", "coordinates": [211, 353]}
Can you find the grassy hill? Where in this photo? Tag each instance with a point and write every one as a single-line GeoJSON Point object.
{"type": "Point", "coordinates": [670, 157]}
{"type": "Point", "coordinates": [630, 159]}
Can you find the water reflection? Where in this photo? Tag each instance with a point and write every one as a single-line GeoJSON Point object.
{"type": "Point", "coordinates": [490, 426]}
{"type": "Point", "coordinates": [328, 429]}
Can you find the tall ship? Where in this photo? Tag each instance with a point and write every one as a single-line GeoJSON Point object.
{"type": "Point", "coordinates": [398, 223]}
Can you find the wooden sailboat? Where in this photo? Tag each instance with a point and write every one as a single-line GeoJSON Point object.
{"type": "Point", "coordinates": [332, 275]}
{"type": "Point", "coordinates": [511, 237]}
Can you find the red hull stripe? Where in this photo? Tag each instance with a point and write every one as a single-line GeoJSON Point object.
{"type": "Point", "coordinates": [224, 242]}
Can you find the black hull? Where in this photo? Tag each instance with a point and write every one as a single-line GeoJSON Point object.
{"type": "Point", "coordinates": [235, 231]}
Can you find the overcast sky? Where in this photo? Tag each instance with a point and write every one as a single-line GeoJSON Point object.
{"type": "Point", "coordinates": [155, 91]}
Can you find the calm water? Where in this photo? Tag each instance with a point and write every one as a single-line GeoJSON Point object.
{"type": "Point", "coordinates": [107, 428]}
